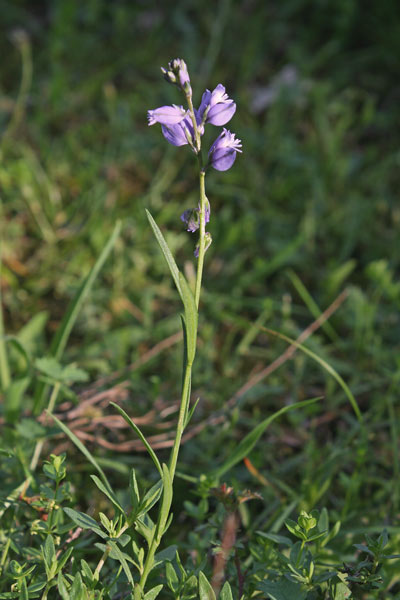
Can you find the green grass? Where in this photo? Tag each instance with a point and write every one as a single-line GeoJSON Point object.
{"type": "Point", "coordinates": [310, 208]}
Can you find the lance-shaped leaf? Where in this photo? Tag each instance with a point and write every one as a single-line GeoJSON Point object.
{"type": "Point", "coordinates": [140, 435]}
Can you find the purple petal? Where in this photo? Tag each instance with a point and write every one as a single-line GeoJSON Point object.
{"type": "Point", "coordinates": [166, 115]}
{"type": "Point", "coordinates": [219, 95]}
{"type": "Point", "coordinates": [221, 113]}
{"type": "Point", "coordinates": [174, 134]}
{"type": "Point", "coordinates": [205, 101]}
{"type": "Point", "coordinates": [223, 158]}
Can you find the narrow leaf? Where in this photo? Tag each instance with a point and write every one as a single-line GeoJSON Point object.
{"type": "Point", "coordinates": [190, 413]}
{"type": "Point", "coordinates": [134, 489]}
{"type": "Point", "coordinates": [62, 587]}
{"type": "Point", "coordinates": [84, 521]}
{"type": "Point", "coordinates": [190, 318]}
{"type": "Point", "coordinates": [108, 492]}
{"type": "Point", "coordinates": [166, 251]}
{"type": "Point", "coordinates": [247, 444]}
{"type": "Point", "coordinates": [166, 501]}
{"type": "Point", "coordinates": [82, 448]}
{"type": "Point", "coordinates": [77, 591]}
{"type": "Point", "coordinates": [123, 562]}
{"type": "Point", "coordinates": [325, 365]}
{"type": "Point", "coordinates": [140, 435]}
{"type": "Point", "coordinates": [63, 332]}
{"type": "Point", "coordinates": [151, 498]}
{"type": "Point", "coordinates": [24, 595]}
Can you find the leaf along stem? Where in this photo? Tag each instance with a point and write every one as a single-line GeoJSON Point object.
{"type": "Point", "coordinates": [186, 387]}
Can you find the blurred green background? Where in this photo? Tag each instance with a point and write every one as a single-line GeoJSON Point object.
{"type": "Point", "coordinates": [310, 208]}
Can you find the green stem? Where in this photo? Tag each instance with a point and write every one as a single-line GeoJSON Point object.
{"type": "Point", "coordinates": [101, 563]}
{"type": "Point", "coordinates": [155, 542]}
{"type": "Point", "coordinates": [4, 368]}
{"type": "Point", "coordinates": [181, 419]}
{"type": "Point", "coordinates": [194, 122]}
{"type": "Point", "coordinates": [186, 387]}
{"type": "Point", "coordinates": [202, 233]}
{"type": "Point", "coordinates": [300, 555]}
{"type": "Point", "coordinates": [4, 554]}
{"type": "Point", "coordinates": [5, 379]}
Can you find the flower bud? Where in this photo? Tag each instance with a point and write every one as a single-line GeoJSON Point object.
{"type": "Point", "coordinates": [191, 219]}
{"type": "Point", "coordinates": [177, 73]}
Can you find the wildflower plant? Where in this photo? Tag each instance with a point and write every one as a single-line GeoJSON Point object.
{"type": "Point", "coordinates": [181, 127]}
{"type": "Point", "coordinates": [275, 565]}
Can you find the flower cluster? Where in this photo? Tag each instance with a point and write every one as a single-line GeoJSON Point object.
{"type": "Point", "coordinates": [181, 127]}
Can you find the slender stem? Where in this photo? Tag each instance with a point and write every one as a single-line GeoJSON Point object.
{"type": "Point", "coordinates": [194, 122]}
{"type": "Point", "coordinates": [4, 554]}
{"type": "Point", "coordinates": [202, 233]}
{"type": "Point", "coordinates": [186, 387]}
{"type": "Point", "coordinates": [101, 563]}
{"type": "Point", "coordinates": [181, 419]}
{"type": "Point", "coordinates": [300, 555]}
{"type": "Point", "coordinates": [148, 565]}
{"type": "Point", "coordinates": [4, 368]}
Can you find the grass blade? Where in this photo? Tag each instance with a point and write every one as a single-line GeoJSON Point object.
{"type": "Point", "coordinates": [251, 438]}
{"type": "Point", "coordinates": [83, 449]}
{"type": "Point", "coordinates": [325, 365]}
{"type": "Point", "coordinates": [63, 332]}
{"type": "Point", "coordinates": [61, 337]}
{"type": "Point", "coordinates": [140, 435]}
{"type": "Point", "coordinates": [311, 304]}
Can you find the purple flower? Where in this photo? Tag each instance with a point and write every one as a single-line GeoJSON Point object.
{"type": "Point", "coordinates": [222, 153]}
{"type": "Point", "coordinates": [191, 217]}
{"type": "Point", "coordinates": [216, 107]}
{"type": "Point", "coordinates": [179, 134]}
{"type": "Point", "coordinates": [166, 115]}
